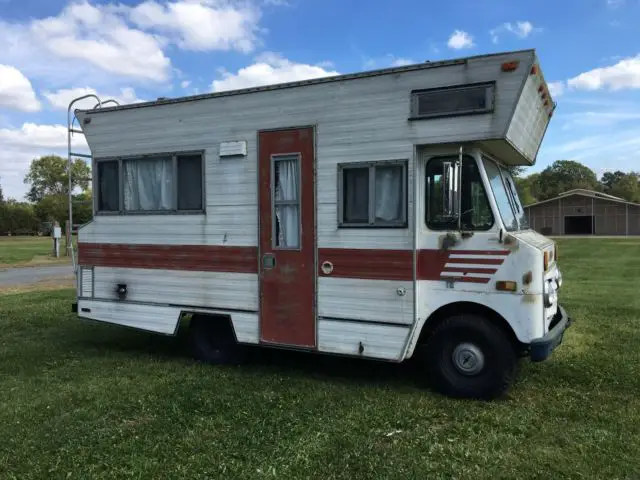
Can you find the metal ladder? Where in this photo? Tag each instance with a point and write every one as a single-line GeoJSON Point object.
{"type": "Point", "coordinates": [71, 118]}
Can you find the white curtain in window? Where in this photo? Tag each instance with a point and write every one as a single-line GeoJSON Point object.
{"type": "Point", "coordinates": [388, 193]}
{"type": "Point", "coordinates": [287, 189]}
{"type": "Point", "coordinates": [148, 184]}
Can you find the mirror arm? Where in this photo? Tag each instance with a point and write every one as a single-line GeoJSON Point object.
{"type": "Point", "coordinates": [459, 190]}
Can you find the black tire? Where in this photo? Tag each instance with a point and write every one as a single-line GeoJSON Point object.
{"type": "Point", "coordinates": [463, 337]}
{"type": "Point", "coordinates": [213, 341]}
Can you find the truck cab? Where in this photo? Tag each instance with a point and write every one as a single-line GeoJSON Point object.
{"type": "Point", "coordinates": [493, 294]}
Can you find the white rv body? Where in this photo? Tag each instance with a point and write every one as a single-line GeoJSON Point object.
{"type": "Point", "coordinates": [374, 287]}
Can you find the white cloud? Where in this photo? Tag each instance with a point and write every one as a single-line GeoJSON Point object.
{"type": "Point", "coordinates": [521, 29]}
{"type": "Point", "coordinates": [128, 43]}
{"type": "Point", "coordinates": [21, 145]}
{"type": "Point", "coordinates": [459, 40]}
{"type": "Point", "coordinates": [599, 119]}
{"type": "Point", "coordinates": [623, 75]}
{"type": "Point", "coordinates": [16, 91]}
{"type": "Point", "coordinates": [269, 68]}
{"type": "Point", "coordinates": [556, 88]}
{"type": "Point", "coordinates": [60, 99]}
{"type": "Point", "coordinates": [201, 25]}
{"type": "Point", "coordinates": [33, 135]}
{"type": "Point", "coordinates": [98, 35]}
{"type": "Point", "coordinates": [401, 62]}
{"type": "Point", "coordinates": [596, 145]}
{"type": "Point", "coordinates": [384, 61]}
{"type": "Point", "coordinates": [615, 3]}
{"type": "Point", "coordinates": [185, 83]}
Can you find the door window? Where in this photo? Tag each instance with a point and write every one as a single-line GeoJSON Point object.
{"type": "Point", "coordinates": [286, 201]}
{"type": "Point", "coordinates": [475, 208]}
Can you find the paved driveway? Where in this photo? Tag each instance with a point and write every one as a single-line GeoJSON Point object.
{"type": "Point", "coordinates": [27, 275]}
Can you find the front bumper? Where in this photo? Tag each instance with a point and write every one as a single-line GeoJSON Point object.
{"type": "Point", "coordinates": [541, 348]}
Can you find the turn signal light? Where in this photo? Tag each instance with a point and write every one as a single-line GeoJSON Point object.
{"type": "Point", "coordinates": [506, 285]}
{"type": "Point", "coordinates": [510, 66]}
{"type": "Point", "coordinates": [546, 260]}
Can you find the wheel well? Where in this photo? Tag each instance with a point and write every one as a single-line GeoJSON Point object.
{"type": "Point", "coordinates": [219, 320]}
{"type": "Point", "coordinates": [468, 308]}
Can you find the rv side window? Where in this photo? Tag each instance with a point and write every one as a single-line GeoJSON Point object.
{"type": "Point", "coordinates": [108, 187]}
{"type": "Point", "coordinates": [148, 184]}
{"type": "Point", "coordinates": [373, 194]}
{"type": "Point", "coordinates": [189, 182]}
{"type": "Point", "coordinates": [151, 184]}
{"type": "Point", "coordinates": [459, 100]}
{"type": "Point", "coordinates": [475, 208]}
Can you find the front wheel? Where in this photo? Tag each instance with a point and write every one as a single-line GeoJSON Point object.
{"type": "Point", "coordinates": [468, 356]}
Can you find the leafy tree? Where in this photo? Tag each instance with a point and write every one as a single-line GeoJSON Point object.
{"type": "Point", "coordinates": [48, 176]}
{"type": "Point", "coordinates": [1, 196]}
{"type": "Point", "coordinates": [17, 218]}
{"type": "Point", "coordinates": [564, 175]}
{"type": "Point", "coordinates": [625, 186]}
{"type": "Point", "coordinates": [516, 171]}
{"type": "Point", "coordinates": [56, 208]}
{"type": "Point", "coordinates": [610, 178]}
{"type": "Point", "coordinates": [525, 187]}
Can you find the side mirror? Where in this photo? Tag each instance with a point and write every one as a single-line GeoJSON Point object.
{"type": "Point", "coordinates": [451, 188]}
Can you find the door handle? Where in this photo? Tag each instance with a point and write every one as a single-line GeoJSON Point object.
{"type": "Point", "coordinates": [268, 261]}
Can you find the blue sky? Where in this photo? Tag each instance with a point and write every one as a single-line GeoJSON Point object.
{"type": "Point", "coordinates": [53, 50]}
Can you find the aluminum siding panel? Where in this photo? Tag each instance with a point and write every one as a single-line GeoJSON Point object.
{"type": "Point", "coordinates": [371, 300]}
{"type": "Point", "coordinates": [530, 120]}
{"type": "Point", "coordinates": [379, 341]}
{"type": "Point", "coordinates": [153, 318]}
{"type": "Point", "coordinates": [238, 291]}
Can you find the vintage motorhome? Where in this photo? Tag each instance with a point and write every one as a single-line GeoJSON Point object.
{"type": "Point", "coordinates": [369, 215]}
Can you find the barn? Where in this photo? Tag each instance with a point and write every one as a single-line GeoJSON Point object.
{"type": "Point", "coordinates": [584, 212]}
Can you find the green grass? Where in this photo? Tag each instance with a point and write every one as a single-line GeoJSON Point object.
{"type": "Point", "coordinates": [83, 400]}
{"type": "Point", "coordinates": [21, 251]}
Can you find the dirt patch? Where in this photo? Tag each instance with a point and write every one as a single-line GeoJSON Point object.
{"type": "Point", "coordinates": [42, 285]}
{"type": "Point", "coordinates": [37, 261]}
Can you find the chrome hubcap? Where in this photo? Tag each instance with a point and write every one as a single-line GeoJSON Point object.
{"type": "Point", "coordinates": [468, 359]}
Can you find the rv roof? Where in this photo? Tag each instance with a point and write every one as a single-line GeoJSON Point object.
{"type": "Point", "coordinates": [336, 78]}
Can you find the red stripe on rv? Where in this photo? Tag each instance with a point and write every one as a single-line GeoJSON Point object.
{"type": "Point", "coordinates": [207, 258]}
{"type": "Point", "coordinates": [372, 264]}
{"type": "Point", "coordinates": [477, 261]}
{"type": "Point", "coordinates": [367, 263]}
{"type": "Point", "coordinates": [479, 252]}
{"type": "Point", "coordinates": [470, 270]}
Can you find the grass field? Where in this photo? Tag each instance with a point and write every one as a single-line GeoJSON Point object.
{"type": "Point", "coordinates": [92, 401]}
{"type": "Point", "coordinates": [24, 251]}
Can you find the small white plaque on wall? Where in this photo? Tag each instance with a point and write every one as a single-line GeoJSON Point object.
{"type": "Point", "coordinates": [233, 149]}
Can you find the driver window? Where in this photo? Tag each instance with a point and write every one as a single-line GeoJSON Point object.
{"type": "Point", "coordinates": [476, 211]}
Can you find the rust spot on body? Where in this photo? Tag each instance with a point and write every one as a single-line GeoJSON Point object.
{"type": "Point", "coordinates": [448, 241]}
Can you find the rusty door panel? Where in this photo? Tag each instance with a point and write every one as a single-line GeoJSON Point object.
{"type": "Point", "coordinates": [288, 289]}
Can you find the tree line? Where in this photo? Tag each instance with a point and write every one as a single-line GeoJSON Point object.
{"type": "Point", "coordinates": [565, 175]}
{"type": "Point", "coordinates": [47, 197]}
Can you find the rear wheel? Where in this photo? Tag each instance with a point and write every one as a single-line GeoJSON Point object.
{"type": "Point", "coordinates": [468, 356]}
{"type": "Point", "coordinates": [213, 340]}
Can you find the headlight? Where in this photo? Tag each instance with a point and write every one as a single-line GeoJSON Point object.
{"type": "Point", "coordinates": [550, 296]}
{"type": "Point", "coordinates": [559, 279]}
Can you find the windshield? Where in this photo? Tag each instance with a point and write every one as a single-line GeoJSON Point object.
{"type": "Point", "coordinates": [504, 191]}
{"type": "Point", "coordinates": [517, 204]}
